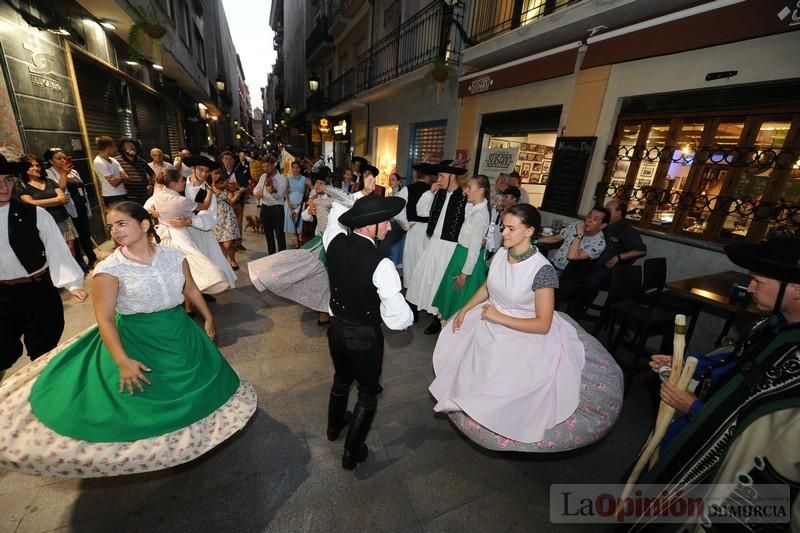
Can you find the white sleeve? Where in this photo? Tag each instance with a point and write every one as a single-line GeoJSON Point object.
{"type": "Point", "coordinates": [478, 227]}
{"type": "Point", "coordinates": [259, 188]}
{"type": "Point", "coordinates": [401, 216]}
{"type": "Point", "coordinates": [395, 312]}
{"type": "Point", "coordinates": [149, 204]}
{"type": "Point", "coordinates": [307, 216]}
{"type": "Point", "coordinates": [206, 220]}
{"type": "Point", "coordinates": [425, 203]}
{"type": "Point", "coordinates": [334, 228]}
{"type": "Point", "coordinates": [64, 271]}
{"type": "Point", "coordinates": [100, 169]}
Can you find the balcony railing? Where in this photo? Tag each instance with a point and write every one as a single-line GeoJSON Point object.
{"type": "Point", "coordinates": [427, 35]}
{"type": "Point", "coordinates": [318, 38]}
{"type": "Point", "coordinates": [341, 88]}
{"type": "Point", "coordinates": [490, 18]}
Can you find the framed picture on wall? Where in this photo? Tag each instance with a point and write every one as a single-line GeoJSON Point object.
{"type": "Point", "coordinates": [498, 144]}
{"type": "Point", "coordinates": [533, 179]}
{"type": "Point", "coordinates": [538, 148]}
{"type": "Point", "coordinates": [537, 167]}
{"type": "Point", "coordinates": [543, 179]}
{"type": "Point", "coordinates": [524, 147]}
{"type": "Point", "coordinates": [546, 166]}
{"type": "Point", "coordinates": [648, 170]}
{"type": "Point", "coordinates": [526, 169]}
{"type": "Point", "coordinates": [518, 167]}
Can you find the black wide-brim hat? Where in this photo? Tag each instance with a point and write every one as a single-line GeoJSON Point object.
{"type": "Point", "coordinates": [373, 170]}
{"type": "Point", "coordinates": [777, 258]}
{"type": "Point", "coordinates": [372, 209]}
{"type": "Point", "coordinates": [200, 161]}
{"type": "Point", "coordinates": [431, 169]}
{"type": "Point", "coordinates": [13, 167]}
{"type": "Point", "coordinates": [359, 159]}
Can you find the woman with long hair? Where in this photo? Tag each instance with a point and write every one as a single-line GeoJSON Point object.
{"type": "Point", "coordinates": [35, 189]}
{"type": "Point", "coordinates": [226, 230]}
{"type": "Point", "coordinates": [466, 271]}
{"type": "Point", "coordinates": [145, 389]}
{"type": "Point", "coordinates": [175, 214]}
{"type": "Point", "coordinates": [293, 222]}
{"type": "Point", "coordinates": [514, 374]}
{"type": "Point", "coordinates": [61, 171]}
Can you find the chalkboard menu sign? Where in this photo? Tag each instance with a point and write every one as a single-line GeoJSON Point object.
{"type": "Point", "coordinates": [571, 157]}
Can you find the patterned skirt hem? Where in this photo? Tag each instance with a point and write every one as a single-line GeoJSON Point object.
{"type": "Point", "coordinates": [30, 447]}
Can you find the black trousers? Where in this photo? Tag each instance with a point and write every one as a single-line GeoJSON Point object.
{"type": "Point", "coordinates": [357, 353]}
{"type": "Point", "coordinates": [32, 311]}
{"type": "Point", "coordinates": [579, 287]}
{"type": "Point", "coordinates": [111, 200]}
{"type": "Point", "coordinates": [272, 224]}
{"type": "Point", "coordinates": [84, 241]}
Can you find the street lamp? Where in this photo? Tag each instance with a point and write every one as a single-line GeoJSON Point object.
{"type": "Point", "coordinates": [313, 83]}
{"type": "Point", "coordinates": [287, 110]}
{"type": "Point", "coordinates": [220, 83]}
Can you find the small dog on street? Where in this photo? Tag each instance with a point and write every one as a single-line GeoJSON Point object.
{"type": "Point", "coordinates": [253, 222]}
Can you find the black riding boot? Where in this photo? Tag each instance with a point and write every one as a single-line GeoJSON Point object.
{"type": "Point", "coordinates": [435, 327]}
{"type": "Point", "coordinates": [355, 449]}
{"type": "Point", "coordinates": [338, 415]}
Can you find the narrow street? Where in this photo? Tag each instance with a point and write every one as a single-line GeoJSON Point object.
{"type": "Point", "coordinates": [281, 474]}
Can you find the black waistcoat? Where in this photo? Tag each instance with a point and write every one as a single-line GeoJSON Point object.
{"type": "Point", "coordinates": [23, 236]}
{"type": "Point", "coordinates": [453, 217]}
{"type": "Point", "coordinates": [415, 191]}
{"type": "Point", "coordinates": [351, 262]}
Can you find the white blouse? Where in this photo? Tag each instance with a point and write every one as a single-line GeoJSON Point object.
{"type": "Point", "coordinates": [476, 222]}
{"type": "Point", "coordinates": [146, 288]}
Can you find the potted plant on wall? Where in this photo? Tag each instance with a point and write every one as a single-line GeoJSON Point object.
{"type": "Point", "coordinates": [146, 32]}
{"type": "Point", "coordinates": [441, 72]}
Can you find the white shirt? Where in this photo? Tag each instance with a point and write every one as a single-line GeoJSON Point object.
{"type": "Point", "coordinates": [401, 217]}
{"type": "Point", "coordinates": [146, 288]}
{"type": "Point", "coordinates": [394, 309]}
{"type": "Point", "coordinates": [473, 230]}
{"type": "Point", "coordinates": [104, 168]}
{"type": "Point", "coordinates": [64, 271]}
{"type": "Point", "coordinates": [593, 245]}
{"type": "Point", "coordinates": [281, 183]}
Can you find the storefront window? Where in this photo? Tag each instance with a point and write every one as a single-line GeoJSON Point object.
{"type": "Point", "coordinates": [718, 178]}
{"type": "Point", "coordinates": [386, 153]}
{"type": "Point", "coordinates": [753, 180]}
{"type": "Point", "coordinates": [534, 156]}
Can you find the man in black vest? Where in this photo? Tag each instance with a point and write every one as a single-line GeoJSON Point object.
{"type": "Point", "coordinates": [444, 203]}
{"type": "Point", "coordinates": [365, 290]}
{"type": "Point", "coordinates": [35, 260]}
{"type": "Point", "coordinates": [416, 239]}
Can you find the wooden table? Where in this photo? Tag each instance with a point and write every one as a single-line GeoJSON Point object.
{"type": "Point", "coordinates": [714, 291]}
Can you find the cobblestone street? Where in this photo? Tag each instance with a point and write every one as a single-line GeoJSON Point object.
{"type": "Point", "coordinates": [281, 474]}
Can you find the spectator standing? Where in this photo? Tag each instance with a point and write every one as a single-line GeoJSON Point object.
{"type": "Point", "coordinates": [158, 165]}
{"type": "Point", "coordinates": [62, 173]}
{"type": "Point", "coordinates": [348, 185]}
{"type": "Point", "coordinates": [515, 180]}
{"type": "Point", "coordinates": [270, 192]}
{"type": "Point", "coordinates": [37, 190]}
{"type": "Point", "coordinates": [109, 172]}
{"type": "Point", "coordinates": [140, 176]}
{"type": "Point", "coordinates": [226, 230]}
{"type": "Point", "coordinates": [185, 170]}
{"type": "Point", "coordinates": [293, 222]}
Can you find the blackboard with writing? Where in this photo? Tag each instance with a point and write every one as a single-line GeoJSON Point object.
{"type": "Point", "coordinates": [571, 157]}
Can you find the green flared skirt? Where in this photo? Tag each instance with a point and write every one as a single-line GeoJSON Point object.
{"type": "Point", "coordinates": [313, 243]}
{"type": "Point", "coordinates": [448, 300]}
{"type": "Point", "coordinates": [77, 394]}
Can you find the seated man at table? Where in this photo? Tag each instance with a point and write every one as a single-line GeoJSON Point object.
{"type": "Point", "coordinates": [623, 247]}
{"type": "Point", "coordinates": [743, 418]}
{"type": "Point", "coordinates": [581, 242]}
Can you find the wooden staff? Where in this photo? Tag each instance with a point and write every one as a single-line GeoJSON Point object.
{"type": "Point", "coordinates": [681, 376]}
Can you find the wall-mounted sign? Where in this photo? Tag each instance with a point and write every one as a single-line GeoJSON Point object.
{"type": "Point", "coordinates": [340, 128]}
{"type": "Point", "coordinates": [480, 85]}
{"type": "Point", "coordinates": [496, 161]}
{"type": "Point", "coordinates": [41, 69]}
{"type": "Point", "coordinates": [324, 125]}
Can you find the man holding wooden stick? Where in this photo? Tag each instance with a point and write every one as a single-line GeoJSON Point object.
{"type": "Point", "coordinates": [743, 417]}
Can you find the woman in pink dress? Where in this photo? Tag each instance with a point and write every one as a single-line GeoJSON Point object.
{"type": "Point", "coordinates": [513, 373]}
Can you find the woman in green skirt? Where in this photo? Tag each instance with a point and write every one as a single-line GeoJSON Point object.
{"type": "Point", "coordinates": [466, 270]}
{"type": "Point", "coordinates": [145, 389]}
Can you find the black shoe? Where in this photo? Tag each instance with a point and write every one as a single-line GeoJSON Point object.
{"type": "Point", "coordinates": [338, 415]}
{"type": "Point", "coordinates": [414, 311]}
{"type": "Point", "coordinates": [210, 299]}
{"type": "Point", "coordinates": [434, 328]}
{"type": "Point", "coordinates": [241, 247]}
{"type": "Point", "coordinates": [355, 449]}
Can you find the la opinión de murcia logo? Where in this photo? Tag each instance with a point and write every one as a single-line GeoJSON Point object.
{"type": "Point", "coordinates": [792, 13]}
{"type": "Point", "coordinates": [499, 160]}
